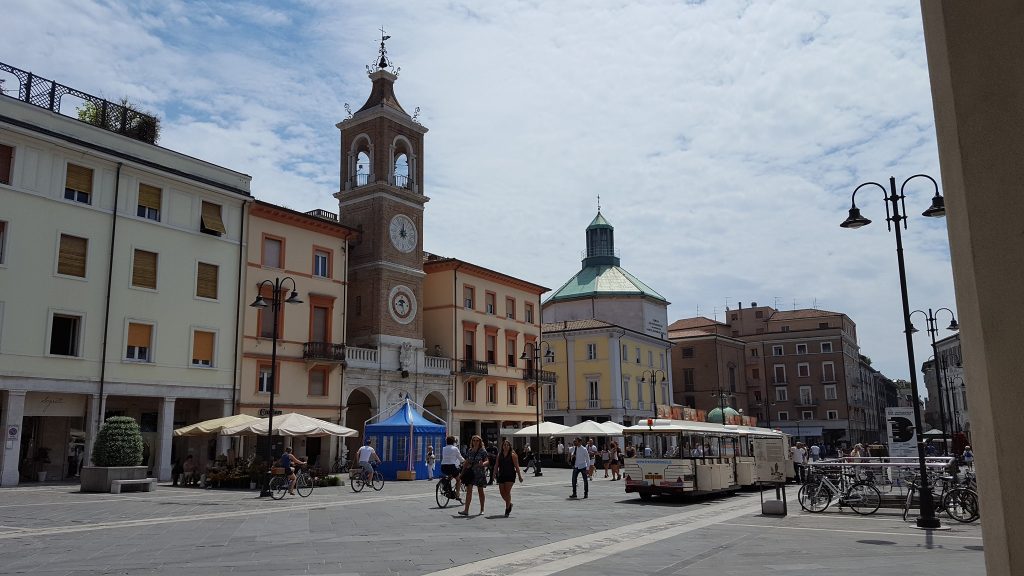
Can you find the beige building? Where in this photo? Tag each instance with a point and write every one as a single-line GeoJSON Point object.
{"type": "Point", "coordinates": [487, 321]}
{"type": "Point", "coordinates": [119, 289]}
{"type": "Point", "coordinates": [310, 249]}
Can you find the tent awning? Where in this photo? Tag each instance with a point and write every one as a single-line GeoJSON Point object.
{"type": "Point", "coordinates": [215, 426]}
{"type": "Point", "coordinates": [546, 429]}
{"type": "Point", "coordinates": [291, 424]}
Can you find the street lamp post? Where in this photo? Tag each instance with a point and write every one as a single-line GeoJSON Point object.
{"type": "Point", "coordinates": [894, 202]}
{"type": "Point", "coordinates": [940, 365]}
{"type": "Point", "coordinates": [550, 356]}
{"type": "Point", "coordinates": [276, 299]}
{"type": "Point", "coordinates": [654, 382]}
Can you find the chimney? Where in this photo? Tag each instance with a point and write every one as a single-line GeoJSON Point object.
{"type": "Point", "coordinates": [740, 304]}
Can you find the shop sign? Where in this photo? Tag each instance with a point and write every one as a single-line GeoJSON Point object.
{"type": "Point", "coordinates": [264, 412]}
{"type": "Point", "coordinates": [54, 404]}
{"type": "Point", "coordinates": [902, 435]}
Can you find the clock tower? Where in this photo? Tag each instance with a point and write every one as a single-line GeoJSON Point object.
{"type": "Point", "coordinates": [382, 195]}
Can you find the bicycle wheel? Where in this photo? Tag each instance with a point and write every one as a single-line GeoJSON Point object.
{"type": "Point", "coordinates": [961, 504]}
{"type": "Point", "coordinates": [278, 486]}
{"type": "Point", "coordinates": [304, 485]}
{"type": "Point", "coordinates": [358, 483]}
{"type": "Point", "coordinates": [815, 497]}
{"type": "Point", "coordinates": [441, 494]}
{"type": "Point", "coordinates": [910, 501]}
{"type": "Point", "coordinates": [378, 481]}
{"type": "Point", "coordinates": [863, 498]}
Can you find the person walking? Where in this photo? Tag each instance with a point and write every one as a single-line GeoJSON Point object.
{"type": "Point", "coordinates": [592, 455]}
{"type": "Point", "coordinates": [580, 460]}
{"type": "Point", "coordinates": [506, 469]}
{"type": "Point", "coordinates": [474, 472]}
{"type": "Point", "coordinates": [429, 460]}
{"type": "Point", "coordinates": [815, 452]}
{"type": "Point", "coordinates": [799, 458]}
{"type": "Point", "coordinates": [492, 453]}
{"type": "Point", "coordinates": [613, 457]}
{"type": "Point", "coordinates": [606, 463]}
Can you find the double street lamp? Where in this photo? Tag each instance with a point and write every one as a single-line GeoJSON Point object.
{"type": "Point", "coordinates": [895, 211]}
{"type": "Point", "coordinates": [276, 300]}
{"type": "Point", "coordinates": [549, 355]}
{"type": "Point", "coordinates": [940, 366]}
{"type": "Point", "coordinates": [654, 381]}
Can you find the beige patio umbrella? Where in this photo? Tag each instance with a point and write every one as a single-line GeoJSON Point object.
{"type": "Point", "coordinates": [291, 424]}
{"type": "Point", "coordinates": [588, 428]}
{"type": "Point", "coordinates": [614, 428]}
{"type": "Point", "coordinates": [546, 429]}
{"type": "Point", "coordinates": [215, 426]}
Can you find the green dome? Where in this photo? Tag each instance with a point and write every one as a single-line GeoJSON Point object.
{"type": "Point", "coordinates": [716, 414]}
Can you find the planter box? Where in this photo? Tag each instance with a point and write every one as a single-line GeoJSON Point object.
{"type": "Point", "coordinates": [406, 474]}
{"type": "Point", "coordinates": [98, 478]}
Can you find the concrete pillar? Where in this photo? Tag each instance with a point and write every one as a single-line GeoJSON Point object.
{"type": "Point", "coordinates": [92, 426]}
{"type": "Point", "coordinates": [165, 429]}
{"type": "Point", "coordinates": [14, 412]}
{"type": "Point", "coordinates": [615, 358]}
{"type": "Point", "coordinates": [977, 87]}
{"type": "Point", "coordinates": [223, 442]}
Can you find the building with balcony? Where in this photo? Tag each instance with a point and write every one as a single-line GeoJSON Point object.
{"type": "Point", "coordinates": [709, 368]}
{"type": "Point", "coordinates": [119, 284]}
{"type": "Point", "coordinates": [486, 322]}
{"type": "Point", "coordinates": [311, 249]}
{"type": "Point", "coordinates": [946, 379]}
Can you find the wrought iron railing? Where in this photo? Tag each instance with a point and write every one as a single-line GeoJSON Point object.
{"type": "Point", "coordinates": [105, 114]}
{"type": "Point", "coordinates": [401, 181]}
{"type": "Point", "coordinates": [593, 403]}
{"type": "Point", "coordinates": [360, 180]}
{"type": "Point", "coordinates": [545, 376]}
{"type": "Point", "coordinates": [323, 351]}
{"type": "Point", "coordinates": [474, 367]}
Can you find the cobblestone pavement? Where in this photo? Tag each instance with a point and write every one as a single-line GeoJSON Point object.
{"type": "Point", "coordinates": [48, 530]}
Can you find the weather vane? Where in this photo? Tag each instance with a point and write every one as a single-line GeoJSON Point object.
{"type": "Point", "coordinates": [598, 202]}
{"type": "Point", "coordinates": [383, 62]}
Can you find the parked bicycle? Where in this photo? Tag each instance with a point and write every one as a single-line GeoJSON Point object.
{"type": "Point", "coordinates": [359, 479]}
{"type": "Point", "coordinates": [958, 501]}
{"type": "Point", "coordinates": [819, 493]}
{"type": "Point", "coordinates": [445, 491]}
{"type": "Point", "coordinates": [340, 466]}
{"type": "Point", "coordinates": [279, 484]}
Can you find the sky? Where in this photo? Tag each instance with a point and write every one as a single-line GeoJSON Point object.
{"type": "Point", "coordinates": [723, 137]}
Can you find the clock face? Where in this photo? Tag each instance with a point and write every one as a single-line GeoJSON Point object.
{"type": "Point", "coordinates": [402, 304]}
{"type": "Point", "coordinates": [403, 233]}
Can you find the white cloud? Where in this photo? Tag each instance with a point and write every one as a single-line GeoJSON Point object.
{"type": "Point", "coordinates": [724, 138]}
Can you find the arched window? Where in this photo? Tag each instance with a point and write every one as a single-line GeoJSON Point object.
{"type": "Point", "coordinates": [363, 170]}
{"type": "Point", "coordinates": [401, 171]}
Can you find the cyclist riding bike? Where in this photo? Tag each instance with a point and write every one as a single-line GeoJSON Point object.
{"type": "Point", "coordinates": [287, 459]}
{"type": "Point", "coordinates": [367, 457]}
{"type": "Point", "coordinates": [451, 462]}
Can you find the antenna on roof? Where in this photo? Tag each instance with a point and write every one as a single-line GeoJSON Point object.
{"type": "Point", "coordinates": [598, 202]}
{"type": "Point", "coordinates": [698, 310]}
{"type": "Point", "coordinates": [715, 314]}
{"type": "Point", "coordinates": [794, 303]}
{"type": "Point", "coordinates": [776, 302]}
{"type": "Point", "coordinates": [814, 303]}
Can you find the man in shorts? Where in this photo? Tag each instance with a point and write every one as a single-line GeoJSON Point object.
{"type": "Point", "coordinates": [451, 463]}
{"type": "Point", "coordinates": [367, 456]}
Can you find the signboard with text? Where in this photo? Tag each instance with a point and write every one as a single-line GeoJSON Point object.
{"type": "Point", "coordinates": [902, 433]}
{"type": "Point", "coordinates": [770, 459]}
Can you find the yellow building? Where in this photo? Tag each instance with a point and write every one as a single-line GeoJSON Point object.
{"type": "Point", "coordinates": [487, 321]}
{"type": "Point", "coordinates": [607, 330]}
{"type": "Point", "coordinates": [311, 249]}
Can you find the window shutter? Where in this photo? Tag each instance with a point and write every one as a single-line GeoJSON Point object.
{"type": "Point", "coordinates": [6, 158]}
{"type": "Point", "coordinates": [272, 252]}
{"type": "Point", "coordinates": [71, 260]}
{"type": "Point", "coordinates": [149, 196]}
{"type": "Point", "coordinates": [211, 218]}
{"type": "Point", "coordinates": [202, 347]}
{"type": "Point", "coordinates": [206, 281]}
{"type": "Point", "coordinates": [79, 178]}
{"type": "Point", "coordinates": [144, 269]}
{"type": "Point", "coordinates": [140, 335]}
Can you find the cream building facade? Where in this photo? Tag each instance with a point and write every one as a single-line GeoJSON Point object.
{"type": "Point", "coordinates": [487, 321]}
{"type": "Point", "coordinates": [119, 290]}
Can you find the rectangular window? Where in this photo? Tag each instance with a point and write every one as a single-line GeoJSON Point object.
{"type": "Point", "coordinates": [591, 351]}
{"type": "Point", "coordinates": [210, 221]}
{"type": "Point", "coordinates": [140, 342]}
{"type": "Point", "coordinates": [531, 397]}
{"type": "Point", "coordinates": [65, 335]}
{"type": "Point", "coordinates": [492, 343]}
{"type": "Point", "coordinates": [470, 391]}
{"type": "Point", "coordinates": [801, 348]}
{"type": "Point", "coordinates": [687, 352]}
{"type": "Point", "coordinates": [830, 392]}
{"type": "Point", "coordinates": [317, 383]}
{"type": "Point", "coordinates": [529, 313]}
{"type": "Point", "coordinates": [807, 415]}
{"type": "Point", "coordinates": [321, 264]}
{"type": "Point", "coordinates": [321, 320]}
{"type": "Point", "coordinates": [832, 414]}
{"type": "Point", "coordinates": [625, 352]}
{"type": "Point", "coordinates": [149, 202]}
{"type": "Point", "coordinates": [785, 328]}
{"type": "Point", "coordinates": [78, 184]}
{"type": "Point", "coordinates": [776, 350]}
{"type": "Point", "coordinates": [206, 280]}
{"type": "Point", "coordinates": [202, 348]}
{"type": "Point", "coordinates": [144, 269]}
{"type": "Point", "coordinates": [625, 390]}
{"type": "Point", "coordinates": [759, 314]}
{"type": "Point", "coordinates": [266, 376]}
{"type": "Point", "coordinates": [512, 399]}
{"type": "Point", "coordinates": [468, 296]}
{"type": "Point", "coordinates": [783, 416]}
{"type": "Point", "coordinates": [828, 372]}
{"type": "Point", "coordinates": [826, 347]}
{"type": "Point", "coordinates": [72, 258]}
{"type": "Point", "coordinates": [755, 373]}
{"type": "Point", "coordinates": [805, 395]}
{"type": "Point", "coordinates": [272, 252]}
{"type": "Point", "coordinates": [6, 162]}
{"type": "Point", "coordinates": [650, 358]}
{"type": "Point", "coordinates": [489, 302]}
{"type": "Point", "coordinates": [754, 353]}
{"type": "Point", "coordinates": [803, 369]}
{"type": "Point", "coordinates": [781, 394]}
{"type": "Point", "coordinates": [780, 374]}
{"type": "Point", "coordinates": [468, 340]}
{"type": "Point", "coordinates": [637, 354]}
{"type": "Point", "coordinates": [592, 390]}
{"type": "Point", "coordinates": [510, 351]}
{"type": "Point", "coordinates": [640, 394]}
{"type": "Point", "coordinates": [822, 325]}
{"type": "Point", "coordinates": [3, 240]}
{"type": "Point", "coordinates": [688, 381]}
{"type": "Point", "coordinates": [492, 393]}
{"type": "Point", "coordinates": [661, 360]}
{"type": "Point", "coordinates": [510, 308]}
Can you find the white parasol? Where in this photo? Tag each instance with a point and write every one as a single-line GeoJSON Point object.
{"type": "Point", "coordinates": [291, 424]}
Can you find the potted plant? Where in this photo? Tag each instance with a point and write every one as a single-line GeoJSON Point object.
{"type": "Point", "coordinates": [116, 455]}
{"type": "Point", "coordinates": [42, 458]}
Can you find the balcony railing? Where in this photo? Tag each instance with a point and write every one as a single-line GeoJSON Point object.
{"type": "Point", "coordinates": [779, 382]}
{"type": "Point", "coordinates": [551, 405]}
{"type": "Point", "coordinates": [593, 403]}
{"type": "Point", "coordinates": [360, 180]}
{"type": "Point", "coordinates": [323, 351]}
{"type": "Point", "coordinates": [806, 402]}
{"type": "Point", "coordinates": [640, 405]}
{"type": "Point", "coordinates": [627, 404]}
{"type": "Point", "coordinates": [401, 181]}
{"type": "Point", "coordinates": [323, 215]}
{"type": "Point", "coordinates": [545, 376]}
{"type": "Point", "coordinates": [477, 367]}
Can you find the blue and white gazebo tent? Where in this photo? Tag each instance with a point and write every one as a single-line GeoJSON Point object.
{"type": "Point", "coordinates": [406, 428]}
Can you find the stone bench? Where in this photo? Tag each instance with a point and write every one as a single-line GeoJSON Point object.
{"type": "Point", "coordinates": [148, 484]}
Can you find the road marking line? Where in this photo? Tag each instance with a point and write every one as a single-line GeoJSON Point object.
{"type": "Point", "coordinates": [936, 534]}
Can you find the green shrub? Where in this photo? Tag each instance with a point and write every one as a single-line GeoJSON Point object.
{"type": "Point", "coordinates": [334, 480]}
{"type": "Point", "coordinates": [119, 443]}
